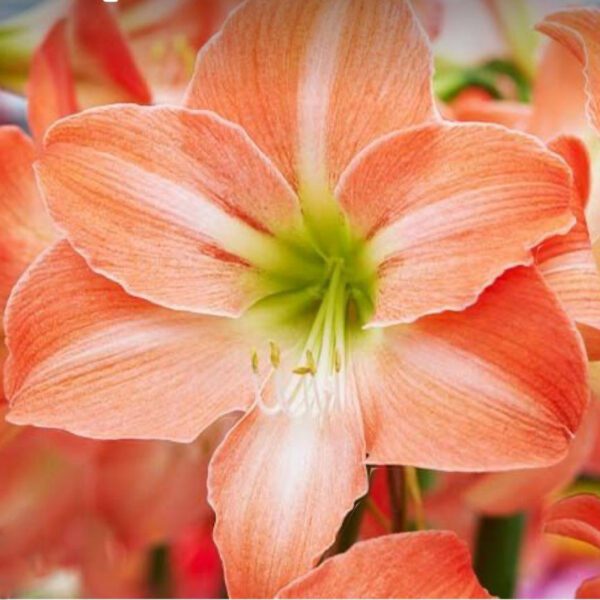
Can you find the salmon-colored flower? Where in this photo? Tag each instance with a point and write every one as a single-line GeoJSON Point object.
{"type": "Point", "coordinates": [66, 502]}
{"type": "Point", "coordinates": [77, 53]}
{"type": "Point", "coordinates": [578, 517]}
{"type": "Point", "coordinates": [309, 242]}
{"type": "Point", "coordinates": [83, 60]}
{"type": "Point", "coordinates": [164, 38]}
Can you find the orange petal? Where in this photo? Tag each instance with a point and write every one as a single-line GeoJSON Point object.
{"type": "Point", "coordinates": [559, 107]}
{"type": "Point", "coordinates": [558, 104]}
{"type": "Point", "coordinates": [589, 588]}
{"type": "Point", "coordinates": [101, 58]}
{"type": "Point", "coordinates": [86, 357]}
{"type": "Point", "coordinates": [40, 492]}
{"type": "Point", "coordinates": [449, 207]}
{"type": "Point", "coordinates": [577, 30]}
{"type": "Point", "coordinates": [431, 15]}
{"type": "Point", "coordinates": [165, 37]}
{"type": "Point", "coordinates": [25, 228]}
{"type": "Point", "coordinates": [577, 517]}
{"type": "Point", "coordinates": [267, 476]}
{"type": "Point", "coordinates": [515, 491]}
{"type": "Point", "coordinates": [143, 517]}
{"type": "Point", "coordinates": [566, 261]}
{"type": "Point", "coordinates": [478, 390]}
{"type": "Point", "coordinates": [295, 75]}
{"type": "Point", "coordinates": [513, 115]}
{"type": "Point", "coordinates": [428, 564]}
{"type": "Point", "coordinates": [3, 353]}
{"type": "Point", "coordinates": [168, 225]}
{"type": "Point", "coordinates": [592, 466]}
{"type": "Point", "coordinates": [51, 87]}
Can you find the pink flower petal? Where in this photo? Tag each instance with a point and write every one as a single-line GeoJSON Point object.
{"type": "Point", "coordinates": [566, 261]}
{"type": "Point", "coordinates": [51, 86]}
{"type": "Point", "coordinates": [25, 227]}
{"type": "Point", "coordinates": [429, 564]}
{"type": "Point", "coordinates": [161, 200]}
{"type": "Point", "coordinates": [280, 486]}
{"type": "Point", "coordinates": [295, 75]}
{"type": "Point", "coordinates": [478, 390]}
{"type": "Point", "coordinates": [86, 357]}
{"type": "Point", "coordinates": [515, 491]}
{"type": "Point", "coordinates": [577, 517]}
{"type": "Point", "coordinates": [449, 207]}
{"type": "Point", "coordinates": [577, 30]}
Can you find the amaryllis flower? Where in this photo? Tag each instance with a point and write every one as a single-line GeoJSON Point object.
{"type": "Point", "coordinates": [576, 30]}
{"type": "Point", "coordinates": [562, 116]}
{"type": "Point", "coordinates": [565, 92]}
{"type": "Point", "coordinates": [67, 502]}
{"type": "Point", "coordinates": [309, 242]}
{"type": "Point", "coordinates": [83, 60]}
{"type": "Point", "coordinates": [164, 38]}
{"type": "Point", "coordinates": [578, 517]}
{"type": "Point", "coordinates": [79, 53]}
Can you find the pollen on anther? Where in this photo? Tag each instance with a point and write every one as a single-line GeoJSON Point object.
{"type": "Point", "coordinates": [275, 355]}
{"type": "Point", "coordinates": [337, 361]}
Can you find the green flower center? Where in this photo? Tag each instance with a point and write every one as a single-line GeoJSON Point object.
{"type": "Point", "coordinates": [319, 292]}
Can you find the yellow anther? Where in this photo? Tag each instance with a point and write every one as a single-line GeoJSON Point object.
{"type": "Point", "coordinates": [337, 361]}
{"type": "Point", "coordinates": [310, 362]}
{"type": "Point", "coordinates": [275, 354]}
{"type": "Point", "coordinates": [302, 371]}
{"type": "Point", "coordinates": [255, 363]}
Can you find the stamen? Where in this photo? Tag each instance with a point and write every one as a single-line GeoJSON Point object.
{"type": "Point", "coordinates": [317, 384]}
{"type": "Point", "coordinates": [337, 361]}
{"type": "Point", "coordinates": [275, 355]}
{"type": "Point", "coordinates": [255, 362]}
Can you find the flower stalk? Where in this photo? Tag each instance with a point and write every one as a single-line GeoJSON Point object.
{"type": "Point", "coordinates": [497, 553]}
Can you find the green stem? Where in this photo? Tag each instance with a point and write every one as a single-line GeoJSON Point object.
{"type": "Point", "coordinates": [497, 553]}
{"type": "Point", "coordinates": [159, 572]}
{"type": "Point", "coordinates": [397, 491]}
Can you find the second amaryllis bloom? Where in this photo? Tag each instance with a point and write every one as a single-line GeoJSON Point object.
{"type": "Point", "coordinates": [309, 242]}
